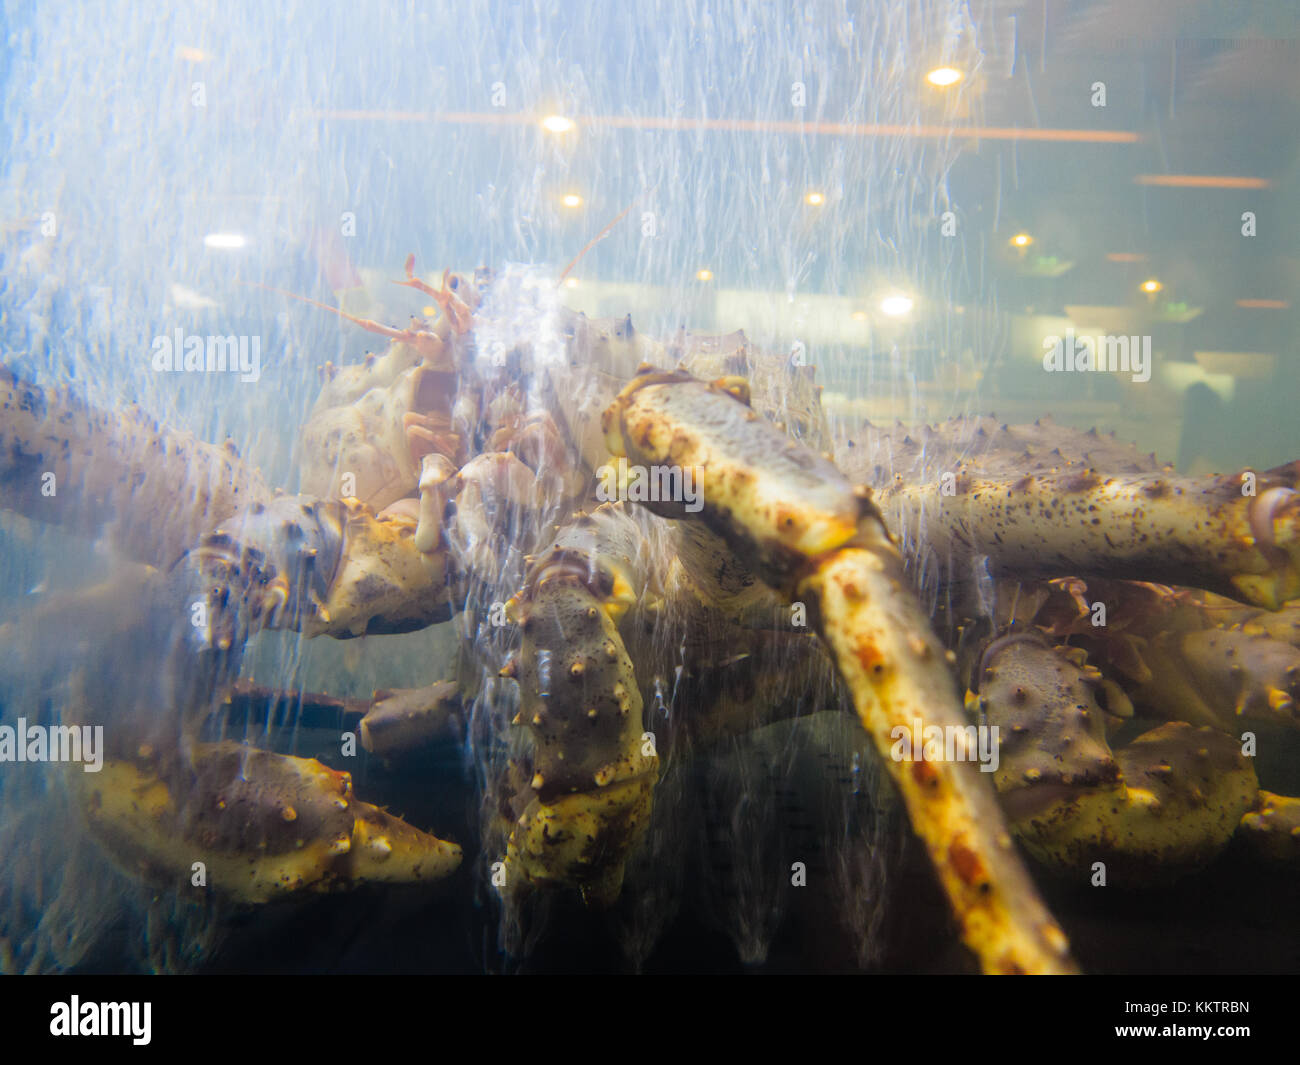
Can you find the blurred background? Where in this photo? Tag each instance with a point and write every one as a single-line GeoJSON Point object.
{"type": "Point", "coordinates": [918, 191]}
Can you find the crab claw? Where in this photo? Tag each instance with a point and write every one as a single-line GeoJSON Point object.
{"type": "Point", "coordinates": [313, 566]}
{"type": "Point", "coordinates": [270, 566]}
{"type": "Point", "coordinates": [251, 825]}
{"type": "Point", "coordinates": [1272, 828]}
{"type": "Point", "coordinates": [1166, 803]}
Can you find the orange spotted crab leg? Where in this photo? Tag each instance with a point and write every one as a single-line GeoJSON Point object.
{"type": "Point", "coordinates": [803, 528]}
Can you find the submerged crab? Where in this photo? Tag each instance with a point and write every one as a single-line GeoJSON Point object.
{"type": "Point", "coordinates": [1003, 514]}
{"type": "Point", "coordinates": [466, 472]}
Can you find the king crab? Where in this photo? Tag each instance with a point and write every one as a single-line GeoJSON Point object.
{"type": "Point", "coordinates": [461, 474]}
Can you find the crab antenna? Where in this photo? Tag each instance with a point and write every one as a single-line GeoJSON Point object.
{"type": "Point", "coordinates": [594, 241]}
{"type": "Point", "coordinates": [296, 296]}
{"type": "Point", "coordinates": [365, 323]}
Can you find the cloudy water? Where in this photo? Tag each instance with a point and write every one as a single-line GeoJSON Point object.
{"type": "Point", "coordinates": [313, 324]}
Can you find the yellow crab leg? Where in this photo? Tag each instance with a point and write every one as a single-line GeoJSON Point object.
{"type": "Point", "coordinates": [1216, 533]}
{"type": "Point", "coordinates": [250, 824]}
{"type": "Point", "coordinates": [796, 519]}
{"type": "Point", "coordinates": [585, 797]}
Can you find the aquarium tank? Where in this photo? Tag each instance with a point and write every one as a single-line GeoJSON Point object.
{"type": "Point", "coordinates": [694, 486]}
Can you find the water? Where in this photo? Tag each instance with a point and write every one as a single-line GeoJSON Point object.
{"type": "Point", "coordinates": [786, 170]}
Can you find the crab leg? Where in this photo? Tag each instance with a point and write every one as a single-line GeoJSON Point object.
{"type": "Point", "coordinates": [800, 524]}
{"type": "Point", "coordinates": [1168, 801]}
{"type": "Point", "coordinates": [973, 488]}
{"type": "Point", "coordinates": [1218, 676]}
{"type": "Point", "coordinates": [585, 798]}
{"type": "Point", "coordinates": [151, 490]}
{"type": "Point", "coordinates": [393, 722]}
{"type": "Point", "coordinates": [1272, 828]}
{"type": "Point", "coordinates": [1283, 625]}
{"type": "Point", "coordinates": [1138, 527]}
{"type": "Point", "coordinates": [405, 719]}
